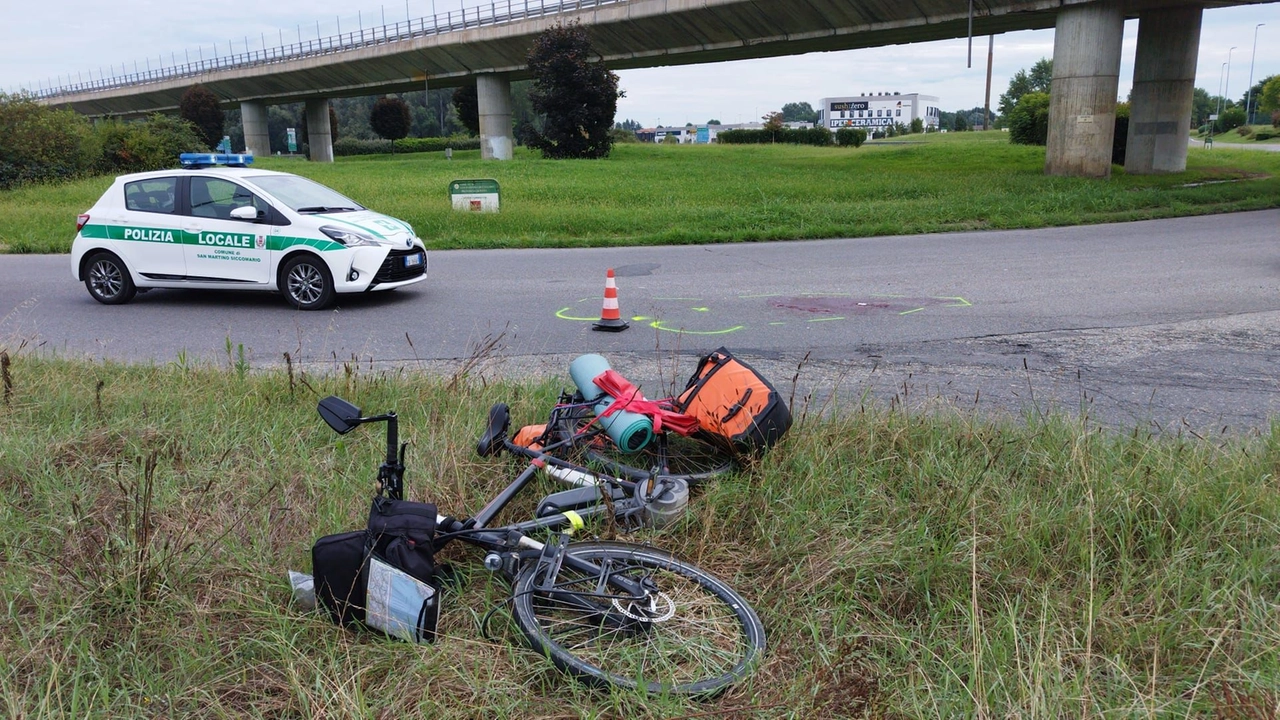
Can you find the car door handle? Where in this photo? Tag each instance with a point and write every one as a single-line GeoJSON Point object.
{"type": "Point", "coordinates": [191, 228]}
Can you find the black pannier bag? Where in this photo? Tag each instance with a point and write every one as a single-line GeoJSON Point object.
{"type": "Point", "coordinates": [339, 563]}
{"type": "Point", "coordinates": [382, 576]}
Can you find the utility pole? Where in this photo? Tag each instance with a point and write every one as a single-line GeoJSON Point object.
{"type": "Point", "coordinates": [986, 111]}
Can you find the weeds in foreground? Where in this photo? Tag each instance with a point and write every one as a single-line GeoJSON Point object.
{"type": "Point", "coordinates": [904, 564]}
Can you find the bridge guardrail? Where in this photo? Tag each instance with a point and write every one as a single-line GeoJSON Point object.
{"type": "Point", "coordinates": [498, 13]}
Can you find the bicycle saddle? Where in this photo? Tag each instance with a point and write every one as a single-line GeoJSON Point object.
{"type": "Point", "coordinates": [494, 435]}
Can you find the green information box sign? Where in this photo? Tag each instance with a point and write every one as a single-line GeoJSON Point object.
{"type": "Point", "coordinates": [474, 195]}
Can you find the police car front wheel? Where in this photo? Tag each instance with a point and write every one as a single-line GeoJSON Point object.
{"type": "Point", "coordinates": [307, 284]}
{"type": "Point", "coordinates": [107, 279]}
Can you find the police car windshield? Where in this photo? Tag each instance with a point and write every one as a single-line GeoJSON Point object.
{"type": "Point", "coordinates": [303, 195]}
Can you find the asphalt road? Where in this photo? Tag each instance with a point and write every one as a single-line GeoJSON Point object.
{"type": "Point", "coordinates": [1169, 324]}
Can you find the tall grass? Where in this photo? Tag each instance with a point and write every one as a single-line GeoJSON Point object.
{"type": "Point", "coordinates": [652, 194]}
{"type": "Point", "coordinates": [904, 565]}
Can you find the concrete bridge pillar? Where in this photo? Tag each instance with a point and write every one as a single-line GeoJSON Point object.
{"type": "Point", "coordinates": [319, 138]}
{"type": "Point", "coordinates": [1086, 77]}
{"type": "Point", "coordinates": [1164, 75]}
{"type": "Point", "coordinates": [253, 116]}
{"type": "Point", "coordinates": [493, 93]}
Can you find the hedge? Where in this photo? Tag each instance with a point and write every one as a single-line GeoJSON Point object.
{"type": "Point", "coordinates": [352, 146]}
{"type": "Point", "coordinates": [809, 136]}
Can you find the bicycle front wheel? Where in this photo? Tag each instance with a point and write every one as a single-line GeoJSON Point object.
{"type": "Point", "coordinates": [691, 635]}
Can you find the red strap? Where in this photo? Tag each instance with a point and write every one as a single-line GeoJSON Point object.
{"type": "Point", "coordinates": [627, 397]}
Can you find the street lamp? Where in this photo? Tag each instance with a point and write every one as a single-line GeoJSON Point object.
{"type": "Point", "coordinates": [1248, 96]}
{"type": "Point", "coordinates": [1226, 89]}
{"type": "Point", "coordinates": [1213, 126]}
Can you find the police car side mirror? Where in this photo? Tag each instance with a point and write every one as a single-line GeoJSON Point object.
{"type": "Point", "coordinates": [248, 212]}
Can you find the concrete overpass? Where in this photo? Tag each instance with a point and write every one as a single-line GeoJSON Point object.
{"type": "Point", "coordinates": [489, 45]}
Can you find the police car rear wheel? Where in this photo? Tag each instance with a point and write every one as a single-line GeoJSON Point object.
{"type": "Point", "coordinates": [307, 283]}
{"type": "Point", "coordinates": [107, 280]}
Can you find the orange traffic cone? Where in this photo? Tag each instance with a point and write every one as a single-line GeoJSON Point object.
{"type": "Point", "coordinates": [610, 319]}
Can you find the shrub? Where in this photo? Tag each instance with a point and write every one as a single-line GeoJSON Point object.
{"type": "Point", "coordinates": [818, 136]}
{"type": "Point", "coordinates": [917, 125]}
{"type": "Point", "coordinates": [1029, 120]}
{"type": "Point", "coordinates": [1244, 131]}
{"type": "Point", "coordinates": [201, 108]}
{"type": "Point", "coordinates": [353, 146]}
{"type": "Point", "coordinates": [618, 134]}
{"type": "Point", "coordinates": [1275, 119]}
{"type": "Point", "coordinates": [1265, 135]}
{"type": "Point", "coordinates": [847, 137]}
{"type": "Point", "coordinates": [39, 144]}
{"type": "Point", "coordinates": [140, 145]}
{"type": "Point", "coordinates": [1230, 119]}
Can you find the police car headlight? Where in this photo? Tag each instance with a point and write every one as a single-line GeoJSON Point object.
{"type": "Point", "coordinates": [350, 238]}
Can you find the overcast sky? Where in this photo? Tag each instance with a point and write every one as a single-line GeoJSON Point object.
{"type": "Point", "coordinates": [75, 37]}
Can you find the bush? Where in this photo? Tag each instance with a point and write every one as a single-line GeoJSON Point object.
{"type": "Point", "coordinates": [620, 136]}
{"type": "Point", "coordinates": [1244, 131]}
{"type": "Point", "coordinates": [1275, 119]}
{"type": "Point", "coordinates": [353, 146]}
{"type": "Point", "coordinates": [818, 136]}
{"type": "Point", "coordinates": [1265, 135]}
{"type": "Point", "coordinates": [142, 145]}
{"type": "Point", "coordinates": [1029, 120]}
{"type": "Point", "coordinates": [39, 144]}
{"type": "Point", "coordinates": [1230, 119]}
{"type": "Point", "coordinates": [847, 137]}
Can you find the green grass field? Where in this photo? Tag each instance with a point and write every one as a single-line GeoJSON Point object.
{"type": "Point", "coordinates": [650, 194]}
{"type": "Point", "coordinates": [904, 566]}
{"type": "Point", "coordinates": [1234, 138]}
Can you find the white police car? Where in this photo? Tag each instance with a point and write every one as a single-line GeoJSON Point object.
{"type": "Point", "coordinates": [207, 227]}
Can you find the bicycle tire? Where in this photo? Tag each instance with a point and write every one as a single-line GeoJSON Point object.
{"type": "Point", "coordinates": [709, 622]}
{"type": "Point", "coordinates": [684, 457]}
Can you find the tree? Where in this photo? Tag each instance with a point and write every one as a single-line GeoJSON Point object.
{"type": "Point", "coordinates": [390, 118]}
{"type": "Point", "coordinates": [467, 104]}
{"type": "Point", "coordinates": [1040, 80]}
{"type": "Point", "coordinates": [713, 121]}
{"type": "Point", "coordinates": [1269, 96]}
{"type": "Point", "coordinates": [960, 122]}
{"type": "Point", "coordinates": [1202, 106]}
{"type": "Point", "coordinates": [1251, 95]}
{"type": "Point", "coordinates": [577, 97]}
{"type": "Point", "coordinates": [799, 112]}
{"type": "Point", "coordinates": [917, 125]}
{"type": "Point", "coordinates": [200, 107]}
{"type": "Point", "coordinates": [1029, 120]}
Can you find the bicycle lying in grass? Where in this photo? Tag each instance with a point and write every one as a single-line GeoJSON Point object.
{"type": "Point", "coordinates": [609, 613]}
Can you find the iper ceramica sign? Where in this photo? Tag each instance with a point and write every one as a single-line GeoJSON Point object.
{"type": "Point", "coordinates": [474, 195]}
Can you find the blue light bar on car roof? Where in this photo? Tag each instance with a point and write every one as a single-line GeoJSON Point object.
{"type": "Point", "coordinates": [199, 160]}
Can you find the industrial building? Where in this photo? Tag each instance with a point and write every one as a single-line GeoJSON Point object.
{"type": "Point", "coordinates": [878, 111]}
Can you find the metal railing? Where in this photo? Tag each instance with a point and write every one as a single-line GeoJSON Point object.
{"type": "Point", "coordinates": [493, 13]}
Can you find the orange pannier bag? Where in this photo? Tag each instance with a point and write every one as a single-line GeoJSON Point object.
{"type": "Point", "coordinates": [736, 407]}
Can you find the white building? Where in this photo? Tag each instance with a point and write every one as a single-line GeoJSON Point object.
{"type": "Point", "coordinates": [876, 111]}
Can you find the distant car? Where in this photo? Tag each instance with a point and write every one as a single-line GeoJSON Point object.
{"type": "Point", "coordinates": [209, 227]}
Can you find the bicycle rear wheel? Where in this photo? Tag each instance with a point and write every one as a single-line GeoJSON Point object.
{"type": "Point", "coordinates": [692, 634]}
{"type": "Point", "coordinates": [669, 454]}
